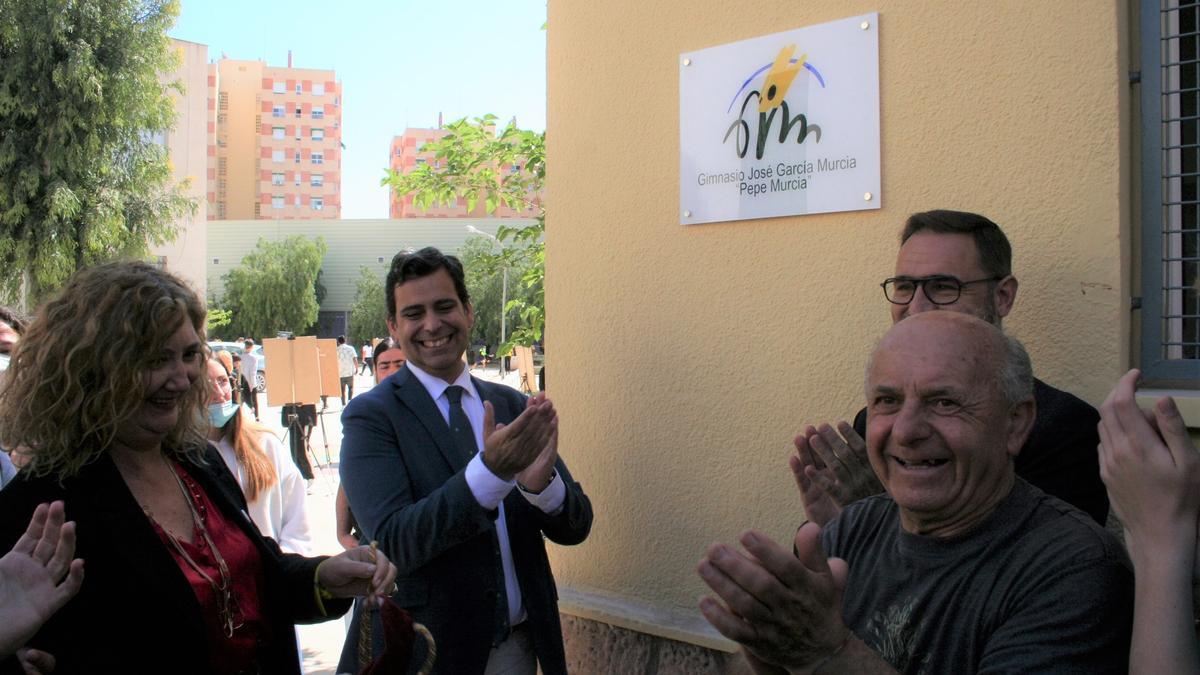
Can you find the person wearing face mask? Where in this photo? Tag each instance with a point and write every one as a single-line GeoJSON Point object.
{"type": "Point", "coordinates": [112, 407]}
{"type": "Point", "coordinates": [264, 469]}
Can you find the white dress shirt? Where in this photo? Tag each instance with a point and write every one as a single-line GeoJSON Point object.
{"type": "Point", "coordinates": [488, 488]}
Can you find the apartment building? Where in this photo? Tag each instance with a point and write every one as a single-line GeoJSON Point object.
{"type": "Point", "coordinates": [275, 148]}
{"type": "Point", "coordinates": [405, 155]}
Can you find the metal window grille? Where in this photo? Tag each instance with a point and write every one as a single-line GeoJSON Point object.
{"type": "Point", "coordinates": [1171, 188]}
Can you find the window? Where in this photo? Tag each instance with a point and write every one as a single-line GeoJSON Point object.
{"type": "Point", "coordinates": [298, 113]}
{"type": "Point", "coordinates": [421, 161]}
{"type": "Point", "coordinates": [318, 90]}
{"type": "Point", "coordinates": [318, 134]}
{"type": "Point", "coordinates": [277, 178]}
{"type": "Point", "coordinates": [317, 180]}
{"type": "Point", "coordinates": [277, 133]}
{"type": "Point", "coordinates": [277, 111]}
{"type": "Point", "coordinates": [280, 87]}
{"type": "Point", "coordinates": [277, 202]}
{"type": "Point", "coordinates": [318, 113]}
{"type": "Point", "coordinates": [1170, 228]}
{"type": "Point", "coordinates": [318, 158]}
{"type": "Point", "coordinates": [318, 203]}
{"type": "Point", "coordinates": [216, 261]}
{"type": "Point", "coordinates": [277, 156]}
{"type": "Point", "coordinates": [299, 88]}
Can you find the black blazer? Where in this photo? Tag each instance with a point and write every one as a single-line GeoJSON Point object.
{"type": "Point", "coordinates": [136, 612]}
{"type": "Point", "coordinates": [406, 482]}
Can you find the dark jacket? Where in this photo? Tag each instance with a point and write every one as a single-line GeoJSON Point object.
{"type": "Point", "coordinates": [136, 612]}
{"type": "Point", "coordinates": [1059, 457]}
{"type": "Point", "coordinates": [405, 479]}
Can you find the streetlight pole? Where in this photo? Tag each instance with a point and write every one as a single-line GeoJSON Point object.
{"type": "Point", "coordinates": [503, 288]}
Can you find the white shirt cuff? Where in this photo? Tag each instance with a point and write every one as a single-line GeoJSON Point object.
{"type": "Point", "coordinates": [488, 488]}
{"type": "Point", "coordinates": [550, 500]}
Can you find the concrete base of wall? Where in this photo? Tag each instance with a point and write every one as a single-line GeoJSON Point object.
{"type": "Point", "coordinates": [598, 647]}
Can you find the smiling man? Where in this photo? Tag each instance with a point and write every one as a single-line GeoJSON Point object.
{"type": "Point", "coordinates": [962, 566]}
{"type": "Point", "coordinates": [460, 482]}
{"type": "Point", "coordinates": [953, 261]}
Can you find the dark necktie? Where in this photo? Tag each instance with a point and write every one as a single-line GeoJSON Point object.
{"type": "Point", "coordinates": [460, 426]}
{"type": "Point", "coordinates": [464, 436]}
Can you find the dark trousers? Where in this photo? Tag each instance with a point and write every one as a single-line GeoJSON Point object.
{"type": "Point", "coordinates": [347, 389]}
{"type": "Point", "coordinates": [250, 397]}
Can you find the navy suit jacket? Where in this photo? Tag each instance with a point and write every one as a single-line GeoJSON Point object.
{"type": "Point", "coordinates": [406, 482]}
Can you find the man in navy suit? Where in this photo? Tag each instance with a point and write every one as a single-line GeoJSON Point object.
{"type": "Point", "coordinates": [465, 529]}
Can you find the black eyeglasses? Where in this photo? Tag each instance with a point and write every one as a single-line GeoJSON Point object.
{"type": "Point", "coordinates": [940, 289]}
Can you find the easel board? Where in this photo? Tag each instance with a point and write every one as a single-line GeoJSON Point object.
{"type": "Point", "coordinates": [524, 358]}
{"type": "Point", "coordinates": [295, 372]}
{"type": "Point", "coordinates": [331, 384]}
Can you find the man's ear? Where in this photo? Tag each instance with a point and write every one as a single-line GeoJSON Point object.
{"type": "Point", "coordinates": [1005, 295]}
{"type": "Point", "coordinates": [1020, 422]}
{"type": "Point", "coordinates": [392, 330]}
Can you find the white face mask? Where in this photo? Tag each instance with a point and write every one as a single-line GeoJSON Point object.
{"type": "Point", "coordinates": [220, 413]}
{"type": "Point", "coordinates": [4, 359]}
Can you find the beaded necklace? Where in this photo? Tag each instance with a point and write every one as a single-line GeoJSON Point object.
{"type": "Point", "coordinates": [228, 608]}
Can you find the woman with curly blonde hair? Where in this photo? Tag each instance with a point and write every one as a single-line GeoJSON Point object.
{"type": "Point", "coordinates": [272, 484]}
{"type": "Point", "coordinates": [107, 394]}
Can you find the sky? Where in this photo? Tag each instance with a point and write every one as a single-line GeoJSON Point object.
{"type": "Point", "coordinates": [400, 63]}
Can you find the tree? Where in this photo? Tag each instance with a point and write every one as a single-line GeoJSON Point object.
{"type": "Point", "coordinates": [274, 287]}
{"type": "Point", "coordinates": [368, 314]}
{"type": "Point", "coordinates": [485, 281]}
{"type": "Point", "coordinates": [217, 318]}
{"type": "Point", "coordinates": [509, 169]}
{"type": "Point", "coordinates": [83, 178]}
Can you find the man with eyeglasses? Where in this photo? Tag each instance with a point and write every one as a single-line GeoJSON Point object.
{"type": "Point", "coordinates": [959, 262]}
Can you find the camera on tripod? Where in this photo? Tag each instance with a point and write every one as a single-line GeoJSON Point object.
{"type": "Point", "coordinates": [303, 370]}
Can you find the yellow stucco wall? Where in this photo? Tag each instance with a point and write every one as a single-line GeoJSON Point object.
{"type": "Point", "coordinates": [684, 359]}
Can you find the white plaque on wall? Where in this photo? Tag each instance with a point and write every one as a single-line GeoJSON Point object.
{"type": "Point", "coordinates": [781, 125]}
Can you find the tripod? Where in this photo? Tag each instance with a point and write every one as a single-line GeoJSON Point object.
{"type": "Point", "coordinates": [299, 420]}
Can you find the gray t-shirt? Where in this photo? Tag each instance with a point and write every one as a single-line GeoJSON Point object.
{"type": "Point", "coordinates": [1039, 587]}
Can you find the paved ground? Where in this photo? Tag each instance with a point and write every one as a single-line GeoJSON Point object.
{"type": "Point", "coordinates": [322, 643]}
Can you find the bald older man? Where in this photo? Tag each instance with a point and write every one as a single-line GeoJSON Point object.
{"type": "Point", "coordinates": [953, 261]}
{"type": "Point", "coordinates": [962, 566]}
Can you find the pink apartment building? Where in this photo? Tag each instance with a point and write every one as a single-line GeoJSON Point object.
{"type": "Point", "coordinates": [274, 142]}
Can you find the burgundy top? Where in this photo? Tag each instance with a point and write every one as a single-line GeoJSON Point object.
{"type": "Point", "coordinates": [240, 652]}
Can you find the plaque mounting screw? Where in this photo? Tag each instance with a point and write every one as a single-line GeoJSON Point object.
{"type": "Point", "coordinates": [687, 62]}
{"type": "Point", "coordinates": [865, 25]}
{"type": "Point", "coordinates": [687, 214]}
{"type": "Point", "coordinates": [867, 196]}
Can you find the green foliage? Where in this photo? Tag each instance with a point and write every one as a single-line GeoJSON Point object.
{"type": "Point", "coordinates": [485, 283]}
{"type": "Point", "coordinates": [218, 318]}
{"type": "Point", "coordinates": [509, 168]}
{"type": "Point", "coordinates": [82, 178]}
{"type": "Point", "coordinates": [274, 289]}
{"type": "Point", "coordinates": [368, 314]}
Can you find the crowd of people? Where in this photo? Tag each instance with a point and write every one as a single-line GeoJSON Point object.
{"type": "Point", "coordinates": [955, 524]}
